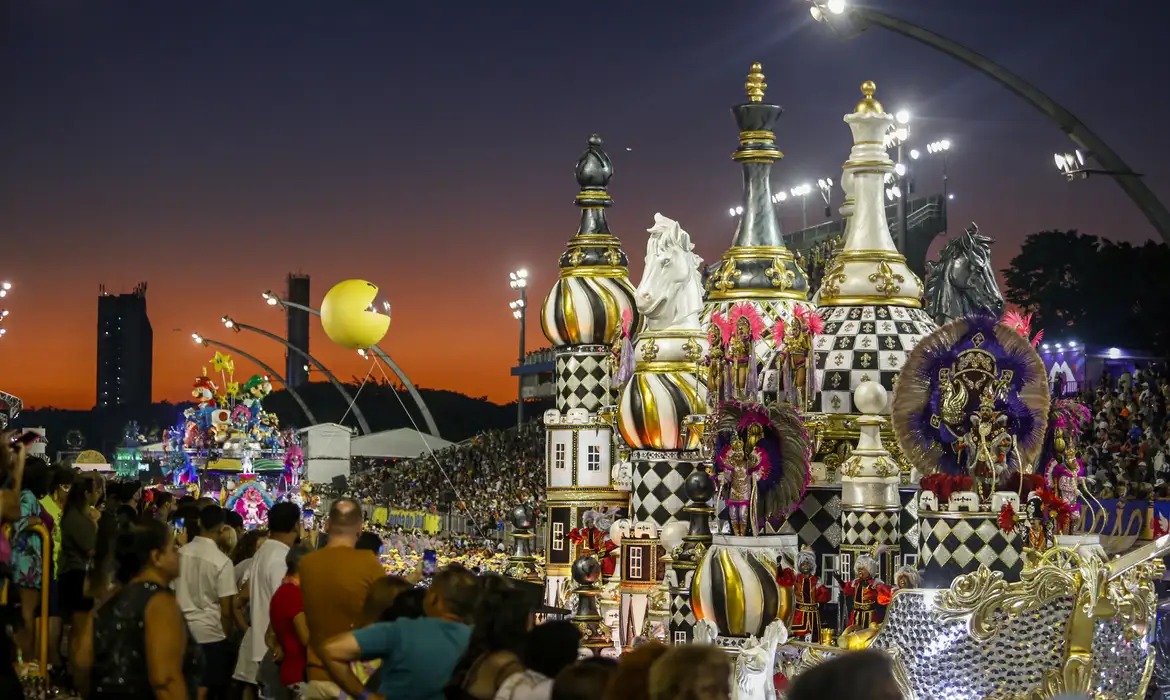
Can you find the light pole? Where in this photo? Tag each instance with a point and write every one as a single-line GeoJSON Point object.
{"type": "Point", "coordinates": [233, 325]}
{"type": "Point", "coordinates": [272, 374]}
{"type": "Point", "coordinates": [5, 287]}
{"type": "Point", "coordinates": [273, 299]}
{"type": "Point", "coordinates": [825, 185]}
{"type": "Point", "coordinates": [896, 138]}
{"type": "Point", "coordinates": [519, 280]}
{"type": "Point", "coordinates": [942, 148]}
{"type": "Point", "coordinates": [802, 191]}
{"type": "Point", "coordinates": [848, 21]}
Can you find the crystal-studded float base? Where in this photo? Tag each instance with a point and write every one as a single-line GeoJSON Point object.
{"type": "Point", "coordinates": [943, 661]}
{"type": "Point", "coordinates": [863, 343]}
{"type": "Point", "coordinates": [952, 544]}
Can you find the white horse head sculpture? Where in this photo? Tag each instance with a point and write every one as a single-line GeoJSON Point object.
{"type": "Point", "coordinates": [755, 666]}
{"type": "Point", "coordinates": [670, 294]}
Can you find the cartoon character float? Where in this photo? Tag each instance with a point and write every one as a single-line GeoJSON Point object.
{"type": "Point", "coordinates": [228, 431]}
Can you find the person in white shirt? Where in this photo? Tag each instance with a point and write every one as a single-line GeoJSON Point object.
{"type": "Point", "coordinates": [204, 590]}
{"type": "Point", "coordinates": [268, 571]}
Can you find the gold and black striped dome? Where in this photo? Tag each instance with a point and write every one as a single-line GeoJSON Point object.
{"type": "Point", "coordinates": [586, 304]}
{"type": "Point", "coordinates": [737, 590]}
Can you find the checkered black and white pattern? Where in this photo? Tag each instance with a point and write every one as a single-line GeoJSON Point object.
{"type": "Point", "coordinates": [865, 528]}
{"type": "Point", "coordinates": [682, 617]}
{"type": "Point", "coordinates": [950, 547]}
{"type": "Point", "coordinates": [817, 520]}
{"type": "Point", "coordinates": [582, 378]}
{"type": "Point", "coordinates": [908, 522]}
{"type": "Point", "coordinates": [659, 492]}
{"type": "Point", "coordinates": [863, 343]}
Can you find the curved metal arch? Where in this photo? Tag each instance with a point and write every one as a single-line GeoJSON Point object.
{"type": "Point", "coordinates": [271, 373]}
{"type": "Point", "coordinates": [385, 357]}
{"type": "Point", "coordinates": [357, 412]}
{"type": "Point", "coordinates": [1129, 181]}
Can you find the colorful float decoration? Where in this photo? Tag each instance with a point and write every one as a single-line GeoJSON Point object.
{"type": "Point", "coordinates": [228, 431]}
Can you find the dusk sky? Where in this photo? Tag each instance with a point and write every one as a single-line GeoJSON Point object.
{"type": "Point", "coordinates": [210, 148]}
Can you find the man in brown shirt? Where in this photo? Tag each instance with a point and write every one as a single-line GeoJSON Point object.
{"type": "Point", "coordinates": [334, 582]}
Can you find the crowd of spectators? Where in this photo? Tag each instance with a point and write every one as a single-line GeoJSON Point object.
{"type": "Point", "coordinates": [815, 259]}
{"type": "Point", "coordinates": [482, 479]}
{"type": "Point", "coordinates": [1126, 447]}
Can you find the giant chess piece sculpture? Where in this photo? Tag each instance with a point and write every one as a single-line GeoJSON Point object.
{"type": "Point", "coordinates": [869, 298]}
{"type": "Point", "coordinates": [589, 307]}
{"type": "Point", "coordinates": [700, 487]}
{"type": "Point", "coordinates": [963, 280]}
{"type": "Point", "coordinates": [665, 386]}
{"type": "Point", "coordinates": [522, 563]}
{"type": "Point", "coordinates": [757, 270]}
{"type": "Point", "coordinates": [587, 616]}
{"type": "Point", "coordinates": [869, 486]}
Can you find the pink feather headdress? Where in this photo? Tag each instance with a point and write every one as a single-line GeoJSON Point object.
{"type": "Point", "coordinates": [627, 321]}
{"type": "Point", "coordinates": [745, 310]}
{"type": "Point", "coordinates": [778, 331]}
{"type": "Point", "coordinates": [725, 327]}
{"type": "Point", "coordinates": [1022, 324]}
{"type": "Point", "coordinates": [812, 320]}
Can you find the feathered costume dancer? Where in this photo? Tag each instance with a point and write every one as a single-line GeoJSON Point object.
{"type": "Point", "coordinates": [794, 344]}
{"type": "Point", "coordinates": [1063, 468]}
{"type": "Point", "coordinates": [746, 329]}
{"type": "Point", "coordinates": [622, 352]}
{"type": "Point", "coordinates": [762, 461]}
{"type": "Point", "coordinates": [1022, 324]}
{"type": "Point", "coordinates": [972, 399]}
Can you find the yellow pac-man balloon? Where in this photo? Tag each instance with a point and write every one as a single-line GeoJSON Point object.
{"type": "Point", "coordinates": [352, 317]}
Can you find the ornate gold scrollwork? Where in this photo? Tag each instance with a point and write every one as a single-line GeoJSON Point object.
{"type": "Point", "coordinates": [728, 276]}
{"type": "Point", "coordinates": [887, 280]}
{"type": "Point", "coordinates": [650, 351]}
{"type": "Point", "coordinates": [781, 276]}
{"type": "Point", "coordinates": [692, 350]}
{"type": "Point", "coordinates": [982, 595]}
{"type": "Point", "coordinates": [613, 256]}
{"type": "Point", "coordinates": [833, 279]}
{"type": "Point", "coordinates": [576, 257]}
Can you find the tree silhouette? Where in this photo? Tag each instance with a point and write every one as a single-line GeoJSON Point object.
{"type": "Point", "coordinates": [1094, 289]}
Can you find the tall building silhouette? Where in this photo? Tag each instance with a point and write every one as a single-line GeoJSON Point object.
{"type": "Point", "coordinates": [125, 349]}
{"type": "Point", "coordinates": [298, 329]}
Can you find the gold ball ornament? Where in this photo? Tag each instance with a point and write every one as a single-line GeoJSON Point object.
{"type": "Point", "coordinates": [352, 317]}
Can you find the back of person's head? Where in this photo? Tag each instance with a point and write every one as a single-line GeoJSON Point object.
{"type": "Point", "coordinates": [184, 500]}
{"type": "Point", "coordinates": [226, 539]}
{"type": "Point", "coordinates": [141, 545]}
{"type": "Point", "coordinates": [453, 591]}
{"type": "Point", "coordinates": [283, 518]}
{"type": "Point", "coordinates": [248, 544]}
{"type": "Point", "coordinates": [233, 519]}
{"type": "Point", "coordinates": [691, 672]}
{"type": "Point", "coordinates": [550, 647]}
{"type": "Point", "coordinates": [632, 679]}
{"type": "Point", "coordinates": [345, 518]}
{"type": "Point", "coordinates": [861, 674]}
{"type": "Point", "coordinates": [162, 498]}
{"type": "Point", "coordinates": [500, 622]}
{"type": "Point", "coordinates": [407, 605]}
{"type": "Point", "coordinates": [292, 560]}
{"type": "Point", "coordinates": [369, 541]}
{"type": "Point", "coordinates": [211, 518]}
{"type": "Point", "coordinates": [381, 596]}
{"type": "Point", "coordinates": [60, 478]}
{"type": "Point", "coordinates": [584, 680]}
{"type": "Point", "coordinates": [37, 475]}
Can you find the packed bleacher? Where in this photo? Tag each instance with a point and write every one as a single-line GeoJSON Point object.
{"type": "Point", "coordinates": [1126, 448]}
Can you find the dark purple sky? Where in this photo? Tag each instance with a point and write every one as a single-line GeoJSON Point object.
{"type": "Point", "coordinates": [212, 147]}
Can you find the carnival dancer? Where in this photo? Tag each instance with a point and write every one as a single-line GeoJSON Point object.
{"type": "Point", "coordinates": [1064, 473]}
{"type": "Point", "coordinates": [906, 577]}
{"type": "Point", "coordinates": [863, 591]}
{"type": "Point", "coordinates": [715, 364]}
{"type": "Point", "coordinates": [793, 359]}
{"type": "Point", "coordinates": [739, 476]}
{"type": "Point", "coordinates": [809, 594]}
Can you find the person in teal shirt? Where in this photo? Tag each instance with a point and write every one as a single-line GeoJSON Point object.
{"type": "Point", "coordinates": [417, 655]}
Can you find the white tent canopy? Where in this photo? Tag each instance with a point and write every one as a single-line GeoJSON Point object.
{"type": "Point", "coordinates": [400, 443]}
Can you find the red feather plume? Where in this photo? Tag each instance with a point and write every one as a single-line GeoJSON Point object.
{"type": "Point", "coordinates": [778, 330]}
{"type": "Point", "coordinates": [725, 326]}
{"type": "Point", "coordinates": [745, 310]}
{"type": "Point", "coordinates": [812, 320]}
{"type": "Point", "coordinates": [627, 321]}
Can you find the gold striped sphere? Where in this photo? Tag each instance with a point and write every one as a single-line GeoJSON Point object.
{"type": "Point", "coordinates": [587, 310]}
{"type": "Point", "coordinates": [737, 590]}
{"type": "Point", "coordinates": [653, 406]}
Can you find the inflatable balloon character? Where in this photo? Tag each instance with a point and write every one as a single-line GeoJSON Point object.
{"type": "Point", "coordinates": [352, 317]}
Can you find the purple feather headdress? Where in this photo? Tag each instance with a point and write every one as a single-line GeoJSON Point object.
{"type": "Point", "coordinates": [787, 453]}
{"type": "Point", "coordinates": [1070, 416]}
{"type": "Point", "coordinates": [925, 439]}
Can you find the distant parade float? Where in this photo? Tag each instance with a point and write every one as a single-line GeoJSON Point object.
{"type": "Point", "coordinates": [227, 444]}
{"type": "Point", "coordinates": [732, 463]}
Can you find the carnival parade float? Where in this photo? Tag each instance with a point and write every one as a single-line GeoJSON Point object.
{"type": "Point", "coordinates": [229, 447]}
{"type": "Point", "coordinates": [879, 467]}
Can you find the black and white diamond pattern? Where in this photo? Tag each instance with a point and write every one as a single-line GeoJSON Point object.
{"type": "Point", "coordinates": [582, 379]}
{"type": "Point", "coordinates": [908, 525]}
{"type": "Point", "coordinates": [953, 546]}
{"type": "Point", "coordinates": [863, 343]}
{"type": "Point", "coordinates": [682, 617]}
{"type": "Point", "coordinates": [659, 492]}
{"type": "Point", "coordinates": [863, 528]}
{"type": "Point", "coordinates": [817, 520]}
